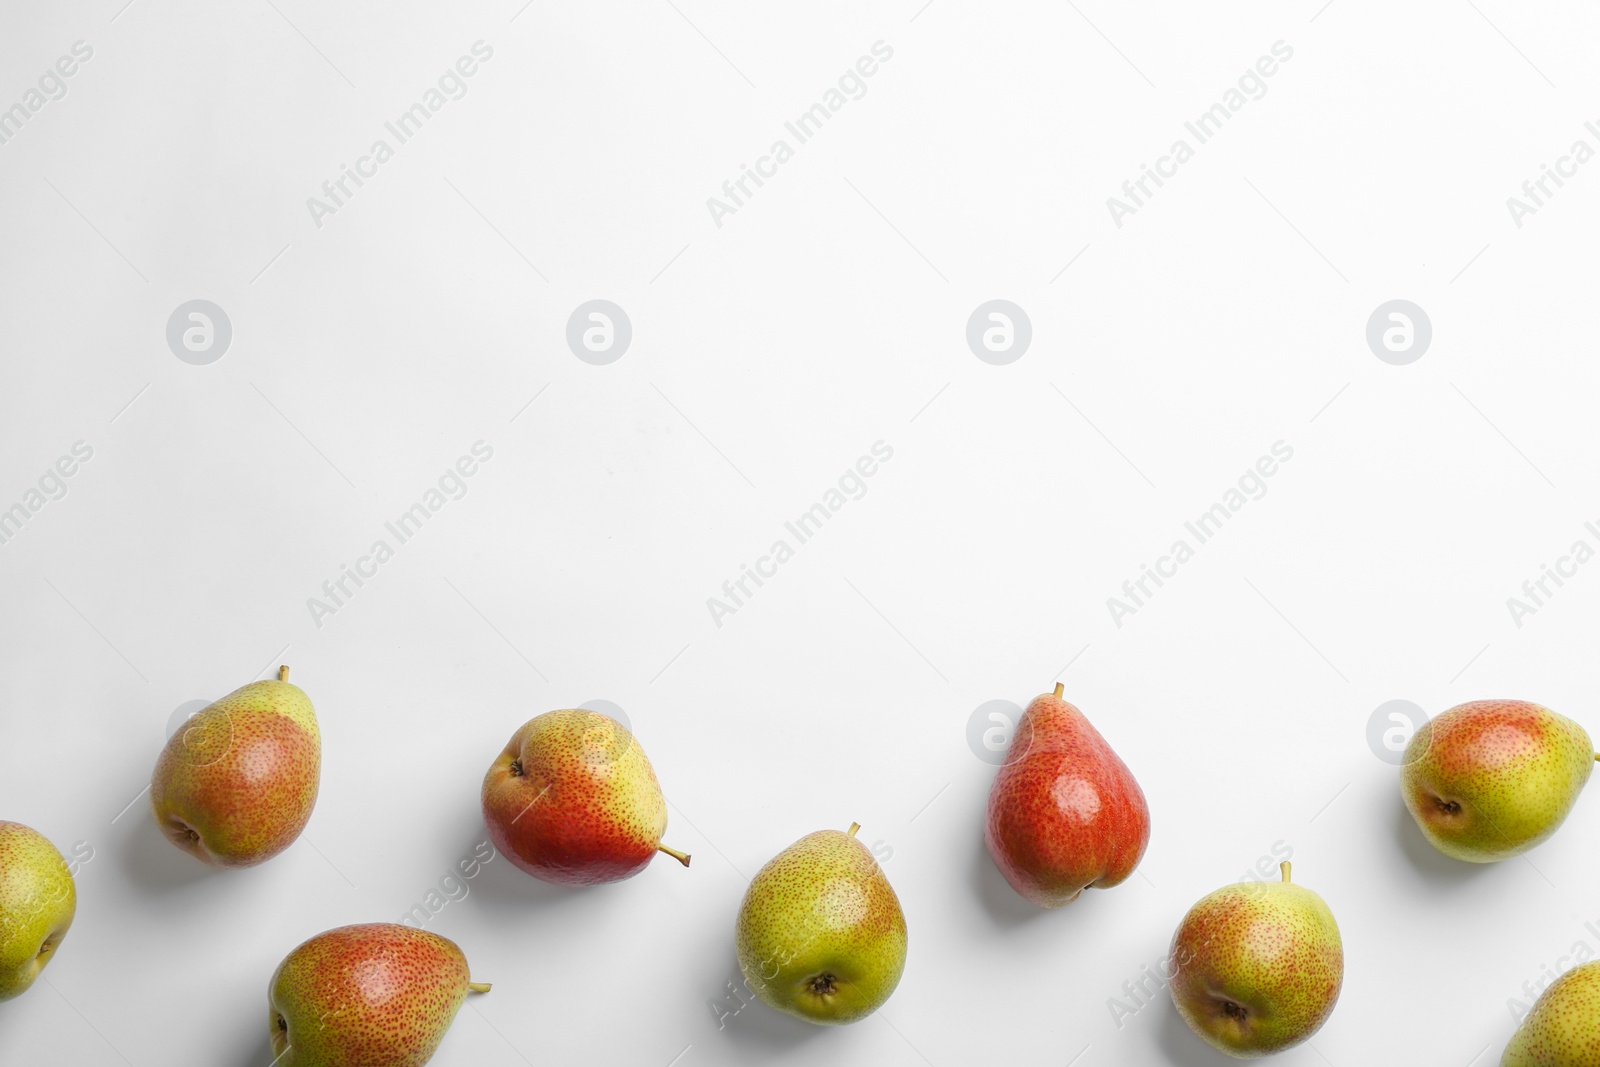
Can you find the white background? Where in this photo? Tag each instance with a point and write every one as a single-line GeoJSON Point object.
{"type": "Point", "coordinates": [768, 354]}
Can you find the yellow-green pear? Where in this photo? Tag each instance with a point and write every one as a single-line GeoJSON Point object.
{"type": "Point", "coordinates": [37, 902]}
{"type": "Point", "coordinates": [1563, 1029]}
{"type": "Point", "coordinates": [1491, 778]}
{"type": "Point", "coordinates": [820, 933]}
{"type": "Point", "coordinates": [236, 784]}
{"type": "Point", "coordinates": [1257, 966]}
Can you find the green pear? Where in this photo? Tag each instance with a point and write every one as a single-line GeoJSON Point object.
{"type": "Point", "coordinates": [1257, 966]}
{"type": "Point", "coordinates": [820, 933]}
{"type": "Point", "coordinates": [37, 902]}
{"type": "Point", "coordinates": [1563, 1029]}
{"type": "Point", "coordinates": [236, 784]}
{"type": "Point", "coordinates": [375, 995]}
{"type": "Point", "coordinates": [1491, 778]}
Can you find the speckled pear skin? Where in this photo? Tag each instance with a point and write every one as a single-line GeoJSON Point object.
{"type": "Point", "coordinates": [236, 784]}
{"type": "Point", "coordinates": [820, 934]}
{"type": "Point", "coordinates": [376, 995]}
{"type": "Point", "coordinates": [1492, 778]}
{"type": "Point", "coordinates": [1258, 966]}
{"type": "Point", "coordinates": [573, 800]}
{"type": "Point", "coordinates": [37, 903]}
{"type": "Point", "coordinates": [1563, 1029]}
{"type": "Point", "coordinates": [1065, 813]}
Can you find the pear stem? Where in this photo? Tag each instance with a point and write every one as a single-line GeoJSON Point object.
{"type": "Point", "coordinates": [479, 987]}
{"type": "Point", "coordinates": [283, 673]}
{"type": "Point", "coordinates": [1597, 757]}
{"type": "Point", "coordinates": [681, 857]}
{"type": "Point", "coordinates": [853, 828]}
{"type": "Point", "coordinates": [1284, 867]}
{"type": "Point", "coordinates": [1059, 689]}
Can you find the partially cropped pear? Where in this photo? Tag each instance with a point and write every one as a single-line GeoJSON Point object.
{"type": "Point", "coordinates": [236, 784]}
{"type": "Point", "coordinates": [572, 799]}
{"type": "Point", "coordinates": [1257, 966]}
{"type": "Point", "coordinates": [37, 902]}
{"type": "Point", "coordinates": [1065, 813]}
{"type": "Point", "coordinates": [820, 933]}
{"type": "Point", "coordinates": [1493, 778]}
{"type": "Point", "coordinates": [1563, 1029]}
{"type": "Point", "coordinates": [376, 995]}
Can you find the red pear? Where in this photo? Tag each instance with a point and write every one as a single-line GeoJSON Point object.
{"type": "Point", "coordinates": [374, 995]}
{"type": "Point", "coordinates": [572, 800]}
{"type": "Point", "coordinates": [1065, 813]}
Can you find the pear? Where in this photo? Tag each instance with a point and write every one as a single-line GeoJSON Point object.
{"type": "Point", "coordinates": [1492, 778]}
{"type": "Point", "coordinates": [1065, 813]}
{"type": "Point", "coordinates": [37, 902]}
{"type": "Point", "coordinates": [236, 784]}
{"type": "Point", "coordinates": [376, 995]}
{"type": "Point", "coordinates": [573, 800]}
{"type": "Point", "coordinates": [1563, 1029]}
{"type": "Point", "coordinates": [1257, 966]}
{"type": "Point", "coordinates": [820, 933]}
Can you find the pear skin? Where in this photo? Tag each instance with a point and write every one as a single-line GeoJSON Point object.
{"type": "Point", "coordinates": [820, 934]}
{"type": "Point", "coordinates": [1563, 1029]}
{"type": "Point", "coordinates": [572, 800]}
{"type": "Point", "coordinates": [1065, 813]}
{"type": "Point", "coordinates": [1257, 966]}
{"type": "Point", "coordinates": [1493, 778]}
{"type": "Point", "coordinates": [361, 996]}
{"type": "Point", "coordinates": [236, 784]}
{"type": "Point", "coordinates": [37, 902]}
